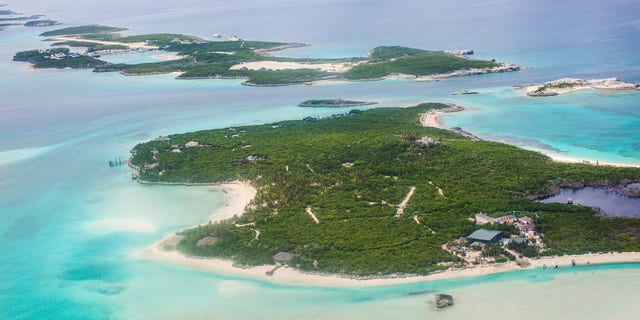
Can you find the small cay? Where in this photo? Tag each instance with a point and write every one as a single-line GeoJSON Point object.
{"type": "Point", "coordinates": [334, 103]}
{"type": "Point", "coordinates": [564, 85]}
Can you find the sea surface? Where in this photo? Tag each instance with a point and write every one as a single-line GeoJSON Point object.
{"type": "Point", "coordinates": [73, 230]}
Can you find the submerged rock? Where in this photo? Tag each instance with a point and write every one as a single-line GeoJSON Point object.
{"type": "Point", "coordinates": [443, 300]}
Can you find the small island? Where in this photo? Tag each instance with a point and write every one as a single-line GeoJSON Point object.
{"type": "Point", "coordinates": [41, 23]}
{"type": "Point", "coordinates": [370, 194]}
{"type": "Point", "coordinates": [334, 103]}
{"type": "Point", "coordinates": [236, 58]}
{"type": "Point", "coordinates": [16, 19]}
{"type": "Point", "coordinates": [565, 85]}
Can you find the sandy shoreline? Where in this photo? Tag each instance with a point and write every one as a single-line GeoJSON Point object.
{"type": "Point", "coordinates": [567, 85]}
{"type": "Point", "coordinates": [432, 118]}
{"type": "Point", "coordinates": [240, 195]}
{"type": "Point", "coordinates": [278, 65]}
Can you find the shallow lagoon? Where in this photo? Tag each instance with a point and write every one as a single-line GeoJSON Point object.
{"type": "Point", "coordinates": [610, 203]}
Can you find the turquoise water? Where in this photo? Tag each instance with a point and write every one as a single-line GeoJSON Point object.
{"type": "Point", "coordinates": [73, 230]}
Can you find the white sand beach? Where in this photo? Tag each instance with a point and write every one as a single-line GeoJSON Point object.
{"type": "Point", "coordinates": [567, 159]}
{"type": "Point", "coordinates": [131, 45]}
{"type": "Point", "coordinates": [566, 85]}
{"type": "Point", "coordinates": [167, 56]}
{"type": "Point", "coordinates": [277, 65]}
{"type": "Point", "coordinates": [431, 118]}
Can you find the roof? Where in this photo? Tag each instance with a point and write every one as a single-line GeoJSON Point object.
{"type": "Point", "coordinates": [206, 241]}
{"type": "Point", "coordinates": [282, 256]}
{"type": "Point", "coordinates": [484, 234]}
{"type": "Point", "coordinates": [482, 218]}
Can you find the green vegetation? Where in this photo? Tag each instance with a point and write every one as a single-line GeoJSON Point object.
{"type": "Point", "coordinates": [91, 46]}
{"type": "Point", "coordinates": [386, 53]}
{"type": "Point", "coordinates": [160, 39]}
{"type": "Point", "coordinates": [58, 58]}
{"type": "Point", "coordinates": [214, 59]}
{"type": "Point", "coordinates": [582, 232]}
{"type": "Point", "coordinates": [496, 251]}
{"type": "Point", "coordinates": [41, 23]}
{"type": "Point", "coordinates": [560, 85]}
{"type": "Point", "coordinates": [334, 103]}
{"type": "Point", "coordinates": [81, 30]}
{"type": "Point", "coordinates": [524, 249]}
{"type": "Point", "coordinates": [353, 170]}
{"type": "Point", "coordinates": [420, 64]}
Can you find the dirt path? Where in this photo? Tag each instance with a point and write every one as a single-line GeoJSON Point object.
{"type": "Point", "coordinates": [313, 216]}
{"type": "Point", "coordinates": [440, 192]}
{"type": "Point", "coordinates": [405, 201]}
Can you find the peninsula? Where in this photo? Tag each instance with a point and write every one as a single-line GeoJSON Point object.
{"type": "Point", "coordinates": [376, 194]}
{"type": "Point", "coordinates": [197, 58]}
{"type": "Point", "coordinates": [565, 85]}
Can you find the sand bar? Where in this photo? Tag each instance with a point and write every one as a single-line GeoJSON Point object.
{"type": "Point", "coordinates": [167, 56]}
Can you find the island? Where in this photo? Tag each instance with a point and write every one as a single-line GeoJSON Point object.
{"type": "Point", "coordinates": [334, 103]}
{"type": "Point", "coordinates": [375, 193]}
{"type": "Point", "coordinates": [236, 58]}
{"type": "Point", "coordinates": [565, 85]}
{"type": "Point", "coordinates": [41, 23]}
{"type": "Point", "coordinates": [16, 19]}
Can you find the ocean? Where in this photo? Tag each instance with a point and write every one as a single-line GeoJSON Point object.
{"type": "Point", "coordinates": [73, 230]}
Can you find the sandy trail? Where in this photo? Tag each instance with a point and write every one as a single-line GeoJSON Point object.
{"type": "Point", "coordinates": [313, 216]}
{"type": "Point", "coordinates": [405, 201]}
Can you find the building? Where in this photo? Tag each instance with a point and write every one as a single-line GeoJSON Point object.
{"type": "Point", "coordinates": [482, 218]}
{"type": "Point", "coordinates": [191, 144]}
{"type": "Point", "coordinates": [525, 224]}
{"type": "Point", "coordinates": [485, 236]}
{"type": "Point", "coordinates": [282, 257]}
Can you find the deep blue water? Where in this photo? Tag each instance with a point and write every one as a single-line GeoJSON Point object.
{"type": "Point", "coordinates": [72, 229]}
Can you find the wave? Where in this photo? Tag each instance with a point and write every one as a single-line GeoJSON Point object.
{"type": "Point", "coordinates": [17, 155]}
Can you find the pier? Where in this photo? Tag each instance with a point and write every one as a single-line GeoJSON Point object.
{"type": "Point", "coordinates": [118, 162]}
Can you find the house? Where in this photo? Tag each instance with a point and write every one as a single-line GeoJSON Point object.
{"type": "Point", "coordinates": [282, 257]}
{"type": "Point", "coordinates": [191, 144]}
{"type": "Point", "coordinates": [525, 224]}
{"type": "Point", "coordinates": [206, 241]}
{"type": "Point", "coordinates": [485, 236]}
